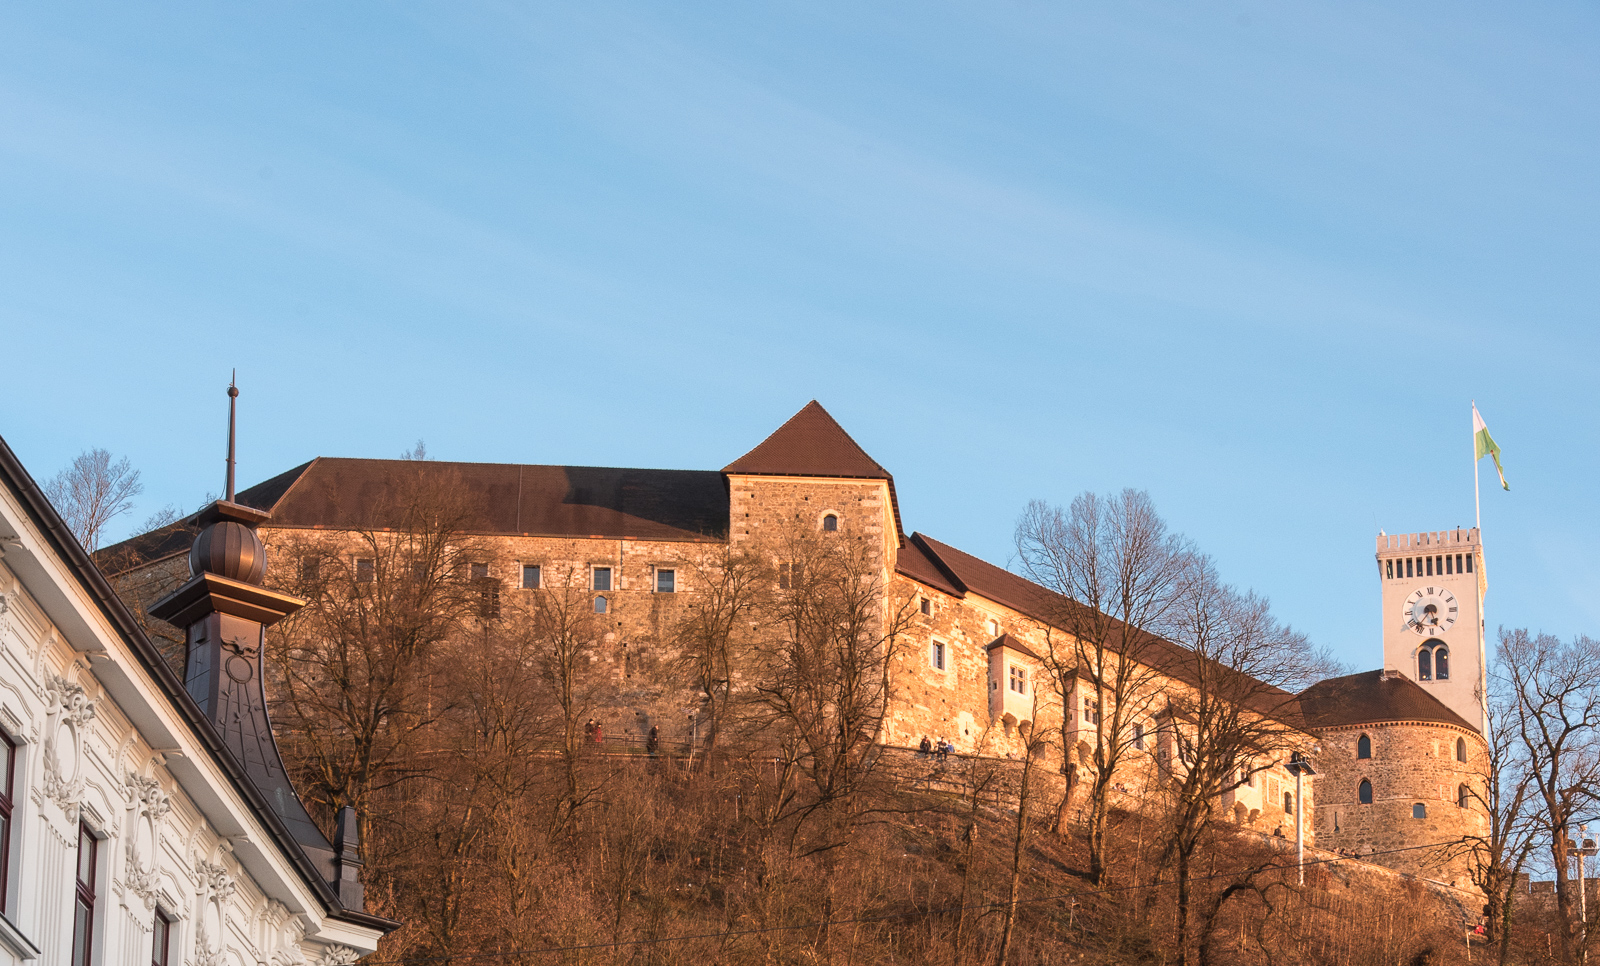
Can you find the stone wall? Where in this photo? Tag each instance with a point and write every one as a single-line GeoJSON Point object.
{"type": "Point", "coordinates": [1412, 764]}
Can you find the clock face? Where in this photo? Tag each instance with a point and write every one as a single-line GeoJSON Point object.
{"type": "Point", "coordinates": [1430, 611]}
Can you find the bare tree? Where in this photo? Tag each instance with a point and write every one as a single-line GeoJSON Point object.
{"type": "Point", "coordinates": [821, 677]}
{"type": "Point", "coordinates": [356, 664]}
{"type": "Point", "coordinates": [92, 492]}
{"type": "Point", "coordinates": [1555, 697]}
{"type": "Point", "coordinates": [731, 596]}
{"type": "Point", "coordinates": [1032, 745]}
{"type": "Point", "coordinates": [562, 632]}
{"type": "Point", "coordinates": [1497, 858]}
{"type": "Point", "coordinates": [1119, 574]}
{"type": "Point", "coordinates": [1225, 720]}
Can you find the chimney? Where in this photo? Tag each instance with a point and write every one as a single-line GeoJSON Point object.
{"type": "Point", "coordinates": [347, 857]}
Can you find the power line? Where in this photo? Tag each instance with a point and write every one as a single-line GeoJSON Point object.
{"type": "Point", "coordinates": [941, 910]}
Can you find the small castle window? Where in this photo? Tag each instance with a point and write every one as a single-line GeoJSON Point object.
{"type": "Point", "coordinates": [1429, 562]}
{"type": "Point", "coordinates": [1019, 679]}
{"type": "Point", "coordinates": [308, 568]}
{"type": "Point", "coordinates": [1469, 563]}
{"type": "Point", "coordinates": [926, 606]}
{"type": "Point", "coordinates": [480, 571]}
{"type": "Point", "coordinates": [1458, 563]}
{"type": "Point", "coordinates": [600, 605]}
{"type": "Point", "coordinates": [1424, 665]}
{"type": "Point", "coordinates": [1389, 569]}
{"type": "Point", "coordinates": [789, 575]}
{"type": "Point", "coordinates": [601, 581]}
{"type": "Point", "coordinates": [1441, 664]}
{"type": "Point", "coordinates": [1463, 796]}
{"type": "Point", "coordinates": [936, 655]}
{"type": "Point", "coordinates": [530, 576]}
{"type": "Point", "coordinates": [366, 570]}
{"type": "Point", "coordinates": [1408, 567]}
{"type": "Point", "coordinates": [1447, 562]}
{"type": "Point", "coordinates": [1363, 747]}
{"type": "Point", "coordinates": [1364, 793]}
{"type": "Point", "coordinates": [1288, 803]}
{"type": "Point", "coordinates": [1419, 810]}
{"type": "Point", "coordinates": [994, 629]}
{"type": "Point", "coordinates": [1138, 735]}
{"type": "Point", "coordinates": [830, 523]}
{"type": "Point", "coordinates": [666, 581]}
{"type": "Point", "coordinates": [1461, 749]}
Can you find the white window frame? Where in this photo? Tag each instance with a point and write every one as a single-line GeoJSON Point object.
{"type": "Point", "coordinates": [1018, 682]}
{"type": "Point", "coordinates": [611, 577]}
{"type": "Point", "coordinates": [655, 583]}
{"type": "Point", "coordinates": [522, 569]}
{"type": "Point", "coordinates": [939, 655]}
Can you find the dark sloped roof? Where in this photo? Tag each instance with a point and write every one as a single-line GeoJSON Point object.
{"type": "Point", "coordinates": [1006, 640]}
{"type": "Point", "coordinates": [1373, 697]}
{"type": "Point", "coordinates": [1048, 607]}
{"type": "Point", "coordinates": [811, 443]}
{"type": "Point", "coordinates": [915, 562]}
{"type": "Point", "coordinates": [500, 498]}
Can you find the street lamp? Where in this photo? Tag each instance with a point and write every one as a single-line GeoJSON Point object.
{"type": "Point", "coordinates": [1587, 847]}
{"type": "Point", "coordinates": [1300, 767]}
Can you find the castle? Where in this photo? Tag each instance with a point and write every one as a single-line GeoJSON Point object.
{"type": "Point", "coordinates": [1399, 754]}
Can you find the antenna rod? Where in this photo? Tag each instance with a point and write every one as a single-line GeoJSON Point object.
{"type": "Point", "coordinates": [233, 395]}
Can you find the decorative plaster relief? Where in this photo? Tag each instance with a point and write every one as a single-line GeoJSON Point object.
{"type": "Point", "coordinates": [68, 712]}
{"type": "Point", "coordinates": [148, 806]}
{"type": "Point", "coordinates": [216, 888]}
{"type": "Point", "coordinates": [338, 956]}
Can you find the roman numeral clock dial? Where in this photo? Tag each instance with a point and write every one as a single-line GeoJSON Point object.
{"type": "Point", "coordinates": [1430, 611]}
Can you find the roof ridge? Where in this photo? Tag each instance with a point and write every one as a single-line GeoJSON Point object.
{"type": "Point", "coordinates": [808, 444]}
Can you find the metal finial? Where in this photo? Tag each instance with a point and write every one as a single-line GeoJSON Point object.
{"type": "Point", "coordinates": [233, 395]}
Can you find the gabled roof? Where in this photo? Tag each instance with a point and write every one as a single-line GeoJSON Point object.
{"type": "Point", "coordinates": [501, 498]}
{"type": "Point", "coordinates": [1373, 697]}
{"type": "Point", "coordinates": [1006, 640]}
{"type": "Point", "coordinates": [811, 443]}
{"type": "Point", "coordinates": [301, 843]}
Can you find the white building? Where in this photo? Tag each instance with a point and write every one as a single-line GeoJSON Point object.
{"type": "Point", "coordinates": [140, 824]}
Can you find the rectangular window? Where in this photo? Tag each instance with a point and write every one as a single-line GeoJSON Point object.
{"type": "Point", "coordinates": [1447, 563]}
{"type": "Point", "coordinates": [926, 606]}
{"type": "Point", "coordinates": [666, 581]}
{"type": "Point", "coordinates": [602, 578]}
{"type": "Point", "coordinates": [366, 570]}
{"type": "Point", "coordinates": [1408, 567]}
{"type": "Point", "coordinates": [1390, 570]}
{"type": "Point", "coordinates": [1429, 564]}
{"type": "Point", "coordinates": [308, 568]}
{"type": "Point", "coordinates": [161, 947]}
{"type": "Point", "coordinates": [83, 908]}
{"type": "Point", "coordinates": [936, 655]}
{"type": "Point", "coordinates": [480, 571]}
{"type": "Point", "coordinates": [530, 576]}
{"type": "Point", "coordinates": [8, 772]}
{"type": "Point", "coordinates": [1019, 679]}
{"type": "Point", "coordinates": [1458, 563]}
{"type": "Point", "coordinates": [1469, 563]}
{"type": "Point", "coordinates": [790, 575]}
{"type": "Point", "coordinates": [1138, 735]}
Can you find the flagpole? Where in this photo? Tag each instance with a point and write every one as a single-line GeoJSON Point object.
{"type": "Point", "coordinates": [1477, 501]}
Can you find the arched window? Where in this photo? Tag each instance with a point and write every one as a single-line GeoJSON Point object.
{"type": "Point", "coordinates": [1463, 796]}
{"type": "Point", "coordinates": [1441, 664]}
{"type": "Point", "coordinates": [1364, 793]}
{"type": "Point", "coordinates": [1461, 749]}
{"type": "Point", "coordinates": [1288, 803]}
{"type": "Point", "coordinates": [830, 523]}
{"type": "Point", "coordinates": [599, 605]}
{"type": "Point", "coordinates": [1363, 747]}
{"type": "Point", "coordinates": [1424, 665]}
{"type": "Point", "coordinates": [1419, 810]}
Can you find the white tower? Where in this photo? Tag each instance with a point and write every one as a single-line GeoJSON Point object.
{"type": "Point", "coordinates": [1433, 586]}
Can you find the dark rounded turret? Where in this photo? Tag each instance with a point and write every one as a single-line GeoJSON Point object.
{"type": "Point", "coordinates": [229, 549]}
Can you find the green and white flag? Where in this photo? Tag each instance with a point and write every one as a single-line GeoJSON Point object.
{"type": "Point", "coordinates": [1485, 444]}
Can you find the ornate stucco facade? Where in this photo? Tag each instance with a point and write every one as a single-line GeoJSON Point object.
{"type": "Point", "coordinates": [130, 827]}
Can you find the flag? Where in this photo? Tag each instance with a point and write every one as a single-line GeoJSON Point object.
{"type": "Point", "coordinates": [1484, 444]}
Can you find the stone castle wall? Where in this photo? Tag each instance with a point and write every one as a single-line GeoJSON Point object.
{"type": "Point", "coordinates": [1412, 764]}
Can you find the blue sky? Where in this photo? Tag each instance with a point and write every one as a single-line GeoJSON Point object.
{"type": "Point", "coordinates": [1253, 258]}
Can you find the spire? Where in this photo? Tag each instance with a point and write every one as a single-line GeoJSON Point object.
{"type": "Point", "coordinates": [233, 396]}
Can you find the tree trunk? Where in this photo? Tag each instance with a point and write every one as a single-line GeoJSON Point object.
{"type": "Point", "coordinates": [1017, 844]}
{"type": "Point", "coordinates": [1558, 856]}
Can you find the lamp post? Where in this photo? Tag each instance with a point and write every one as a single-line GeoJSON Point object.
{"type": "Point", "coordinates": [1586, 847]}
{"type": "Point", "coordinates": [1300, 767]}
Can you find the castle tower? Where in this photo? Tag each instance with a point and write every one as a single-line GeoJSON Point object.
{"type": "Point", "coordinates": [1433, 587]}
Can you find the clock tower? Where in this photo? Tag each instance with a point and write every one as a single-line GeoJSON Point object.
{"type": "Point", "coordinates": [1433, 587]}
